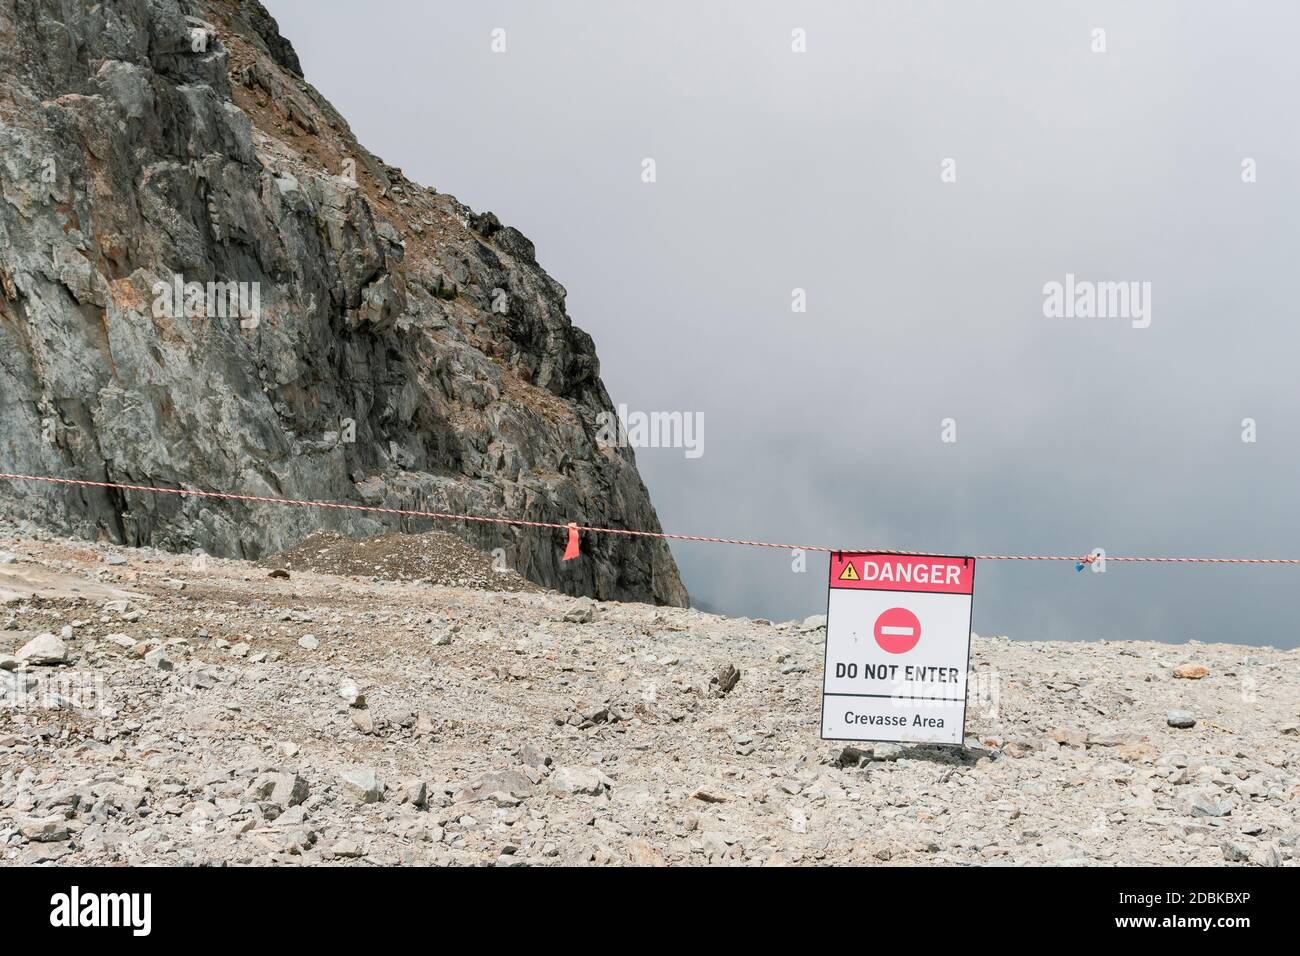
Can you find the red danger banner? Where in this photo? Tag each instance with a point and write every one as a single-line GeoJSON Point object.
{"type": "Point", "coordinates": [903, 572]}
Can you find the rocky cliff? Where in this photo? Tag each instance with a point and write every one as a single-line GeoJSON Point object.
{"type": "Point", "coordinates": [206, 282]}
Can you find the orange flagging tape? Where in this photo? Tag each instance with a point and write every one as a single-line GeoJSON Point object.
{"type": "Point", "coordinates": [573, 528]}
{"type": "Point", "coordinates": [571, 551]}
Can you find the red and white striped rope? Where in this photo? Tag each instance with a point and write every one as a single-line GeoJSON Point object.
{"type": "Point", "coordinates": [520, 522]}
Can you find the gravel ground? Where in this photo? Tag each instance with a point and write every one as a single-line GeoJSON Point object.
{"type": "Point", "coordinates": [431, 558]}
{"type": "Point", "coordinates": [207, 713]}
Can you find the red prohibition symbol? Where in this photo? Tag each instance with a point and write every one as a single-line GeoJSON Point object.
{"type": "Point", "coordinates": [897, 630]}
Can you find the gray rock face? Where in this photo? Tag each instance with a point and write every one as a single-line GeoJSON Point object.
{"type": "Point", "coordinates": [340, 333]}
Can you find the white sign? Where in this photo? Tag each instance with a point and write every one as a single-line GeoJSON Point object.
{"type": "Point", "coordinates": [897, 648]}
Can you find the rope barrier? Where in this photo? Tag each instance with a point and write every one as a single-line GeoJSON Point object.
{"type": "Point", "coordinates": [572, 527]}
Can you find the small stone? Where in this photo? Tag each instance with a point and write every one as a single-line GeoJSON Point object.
{"type": "Point", "coordinates": [708, 796]}
{"type": "Point", "coordinates": [8, 663]}
{"type": "Point", "coordinates": [813, 623]}
{"type": "Point", "coordinates": [351, 695]}
{"type": "Point", "coordinates": [1204, 805]}
{"type": "Point", "coordinates": [1191, 671]}
{"type": "Point", "coordinates": [1234, 852]}
{"type": "Point", "coordinates": [7, 557]}
{"type": "Point", "coordinates": [1266, 856]}
{"type": "Point", "coordinates": [289, 790]}
{"type": "Point", "coordinates": [575, 780]}
{"type": "Point", "coordinates": [158, 660]}
{"type": "Point", "coordinates": [1182, 719]}
{"type": "Point", "coordinates": [308, 642]}
{"type": "Point", "coordinates": [45, 650]}
{"type": "Point", "coordinates": [584, 612]}
{"type": "Point", "coordinates": [416, 793]}
{"type": "Point", "coordinates": [532, 757]}
{"type": "Point", "coordinates": [442, 638]}
{"type": "Point", "coordinates": [362, 786]}
{"type": "Point", "coordinates": [726, 679]}
{"type": "Point", "coordinates": [280, 574]}
{"type": "Point", "coordinates": [346, 849]}
{"type": "Point", "coordinates": [852, 757]}
{"type": "Point", "coordinates": [501, 786]}
{"type": "Point", "coordinates": [641, 853]}
{"type": "Point", "coordinates": [362, 720]}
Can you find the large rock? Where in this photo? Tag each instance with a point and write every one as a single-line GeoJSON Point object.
{"type": "Point", "coordinates": [362, 786]}
{"type": "Point", "coordinates": [496, 785]}
{"type": "Point", "coordinates": [391, 347]}
{"type": "Point", "coordinates": [45, 649]}
{"type": "Point", "coordinates": [283, 789]}
{"type": "Point", "coordinates": [52, 829]}
{"type": "Point", "coordinates": [579, 780]}
{"type": "Point", "coordinates": [1206, 805]}
{"type": "Point", "coordinates": [289, 790]}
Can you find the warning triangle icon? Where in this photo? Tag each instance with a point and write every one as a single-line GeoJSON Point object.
{"type": "Point", "coordinates": [848, 574]}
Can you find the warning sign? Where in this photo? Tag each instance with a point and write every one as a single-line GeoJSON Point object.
{"type": "Point", "coordinates": [897, 648]}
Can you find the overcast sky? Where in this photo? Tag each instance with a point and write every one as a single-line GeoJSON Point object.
{"type": "Point", "coordinates": [822, 170]}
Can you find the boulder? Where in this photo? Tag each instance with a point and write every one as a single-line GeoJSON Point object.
{"type": "Point", "coordinates": [45, 650]}
{"type": "Point", "coordinates": [362, 786]}
{"type": "Point", "coordinates": [578, 781]}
